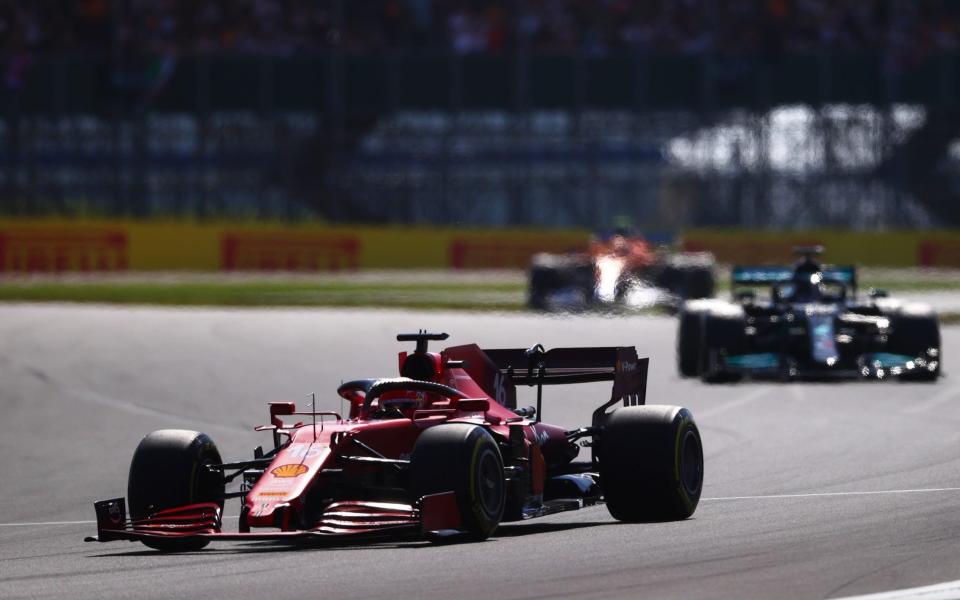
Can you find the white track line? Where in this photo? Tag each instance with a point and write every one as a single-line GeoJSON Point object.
{"type": "Point", "coordinates": [942, 591]}
{"type": "Point", "coordinates": [829, 494]}
{"type": "Point", "coordinates": [717, 499]}
{"type": "Point", "coordinates": [56, 523]}
{"type": "Point", "coordinates": [46, 524]}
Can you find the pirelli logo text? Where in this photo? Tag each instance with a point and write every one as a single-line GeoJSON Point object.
{"type": "Point", "coordinates": [59, 250]}
{"type": "Point", "coordinates": [243, 251]}
{"type": "Point", "coordinates": [938, 253]}
{"type": "Point", "coordinates": [502, 254]}
{"type": "Point", "coordinates": [747, 250]}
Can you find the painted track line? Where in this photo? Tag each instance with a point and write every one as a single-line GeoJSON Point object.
{"type": "Point", "coordinates": [47, 524]}
{"type": "Point", "coordinates": [58, 523]}
{"type": "Point", "coordinates": [941, 591]}
{"type": "Point", "coordinates": [835, 494]}
{"type": "Point", "coordinates": [715, 499]}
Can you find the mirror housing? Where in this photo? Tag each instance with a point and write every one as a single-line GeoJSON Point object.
{"type": "Point", "coordinates": [278, 409]}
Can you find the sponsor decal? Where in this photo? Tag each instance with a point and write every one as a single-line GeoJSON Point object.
{"type": "Point", "coordinates": [289, 251]}
{"type": "Point", "coordinates": [58, 250]}
{"type": "Point", "coordinates": [503, 253]}
{"type": "Point", "coordinates": [301, 451]}
{"type": "Point", "coordinates": [627, 367]}
{"type": "Point", "coordinates": [939, 253]}
{"type": "Point", "coordinates": [290, 470]}
{"type": "Point", "coordinates": [272, 494]}
{"type": "Point", "coordinates": [746, 249]}
{"type": "Point", "coordinates": [500, 388]}
{"type": "Point", "coordinates": [542, 437]}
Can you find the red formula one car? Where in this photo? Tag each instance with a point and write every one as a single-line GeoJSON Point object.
{"type": "Point", "coordinates": [441, 450]}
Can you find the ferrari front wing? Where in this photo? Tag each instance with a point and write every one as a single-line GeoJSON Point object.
{"type": "Point", "coordinates": [433, 514]}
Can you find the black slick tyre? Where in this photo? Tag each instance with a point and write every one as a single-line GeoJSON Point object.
{"type": "Point", "coordinates": [464, 459]}
{"type": "Point", "coordinates": [722, 335]}
{"type": "Point", "coordinates": [689, 343]}
{"type": "Point", "coordinates": [539, 287]}
{"type": "Point", "coordinates": [651, 463]}
{"type": "Point", "coordinates": [916, 336]}
{"type": "Point", "coordinates": [168, 471]}
{"type": "Point", "coordinates": [698, 282]}
{"type": "Point", "coordinates": [551, 273]}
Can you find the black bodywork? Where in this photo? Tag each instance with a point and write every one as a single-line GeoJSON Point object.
{"type": "Point", "coordinates": [813, 324]}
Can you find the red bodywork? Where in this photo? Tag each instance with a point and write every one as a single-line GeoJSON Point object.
{"type": "Point", "coordinates": [635, 252]}
{"type": "Point", "coordinates": [298, 495]}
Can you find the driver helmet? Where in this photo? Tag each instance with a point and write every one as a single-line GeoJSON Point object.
{"type": "Point", "coordinates": [808, 287]}
{"type": "Point", "coordinates": [807, 281]}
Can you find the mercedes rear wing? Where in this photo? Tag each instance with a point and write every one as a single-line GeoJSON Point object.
{"type": "Point", "coordinates": [767, 275]}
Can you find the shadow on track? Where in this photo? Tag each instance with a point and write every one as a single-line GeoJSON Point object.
{"type": "Point", "coordinates": [415, 543]}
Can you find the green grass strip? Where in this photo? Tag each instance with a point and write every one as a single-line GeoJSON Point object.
{"type": "Point", "coordinates": [489, 296]}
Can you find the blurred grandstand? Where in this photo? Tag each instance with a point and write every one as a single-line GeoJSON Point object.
{"type": "Point", "coordinates": [677, 113]}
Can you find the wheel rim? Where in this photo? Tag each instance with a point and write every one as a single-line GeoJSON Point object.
{"type": "Point", "coordinates": [489, 483]}
{"type": "Point", "coordinates": [691, 463]}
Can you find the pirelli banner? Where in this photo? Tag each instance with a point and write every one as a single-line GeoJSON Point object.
{"type": "Point", "coordinates": [60, 246]}
{"type": "Point", "coordinates": [890, 249]}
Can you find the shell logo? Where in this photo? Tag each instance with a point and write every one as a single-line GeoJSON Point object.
{"type": "Point", "coordinates": [290, 470]}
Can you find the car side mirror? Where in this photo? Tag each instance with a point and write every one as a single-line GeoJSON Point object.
{"type": "Point", "coordinates": [278, 409]}
{"type": "Point", "coordinates": [878, 293]}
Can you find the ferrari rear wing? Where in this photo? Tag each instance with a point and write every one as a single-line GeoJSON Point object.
{"type": "Point", "coordinates": [559, 366]}
{"type": "Point", "coordinates": [499, 371]}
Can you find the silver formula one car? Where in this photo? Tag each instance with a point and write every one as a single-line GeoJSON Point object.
{"type": "Point", "coordinates": [813, 325]}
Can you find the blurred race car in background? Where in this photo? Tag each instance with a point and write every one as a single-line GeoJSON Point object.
{"type": "Point", "coordinates": [624, 270]}
{"type": "Point", "coordinates": [813, 325]}
{"type": "Point", "coordinates": [441, 450]}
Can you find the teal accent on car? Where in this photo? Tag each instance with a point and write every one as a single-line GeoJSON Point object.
{"type": "Point", "coordinates": [765, 360]}
{"type": "Point", "coordinates": [886, 360]}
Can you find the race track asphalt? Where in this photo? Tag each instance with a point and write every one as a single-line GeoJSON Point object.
{"type": "Point", "coordinates": [811, 490]}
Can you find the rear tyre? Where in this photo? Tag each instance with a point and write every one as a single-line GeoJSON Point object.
{"type": "Point", "coordinates": [916, 335]}
{"type": "Point", "coordinates": [538, 289]}
{"type": "Point", "coordinates": [651, 463]}
{"type": "Point", "coordinates": [551, 273]}
{"type": "Point", "coordinates": [688, 275]}
{"type": "Point", "coordinates": [464, 459]}
{"type": "Point", "coordinates": [689, 343]}
{"type": "Point", "coordinates": [167, 471]}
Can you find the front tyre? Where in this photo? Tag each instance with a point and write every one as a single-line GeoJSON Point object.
{"type": "Point", "coordinates": [651, 463]}
{"type": "Point", "coordinates": [168, 470]}
{"type": "Point", "coordinates": [917, 335]}
{"type": "Point", "coordinates": [464, 459]}
{"type": "Point", "coordinates": [723, 335]}
{"type": "Point", "coordinates": [689, 343]}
